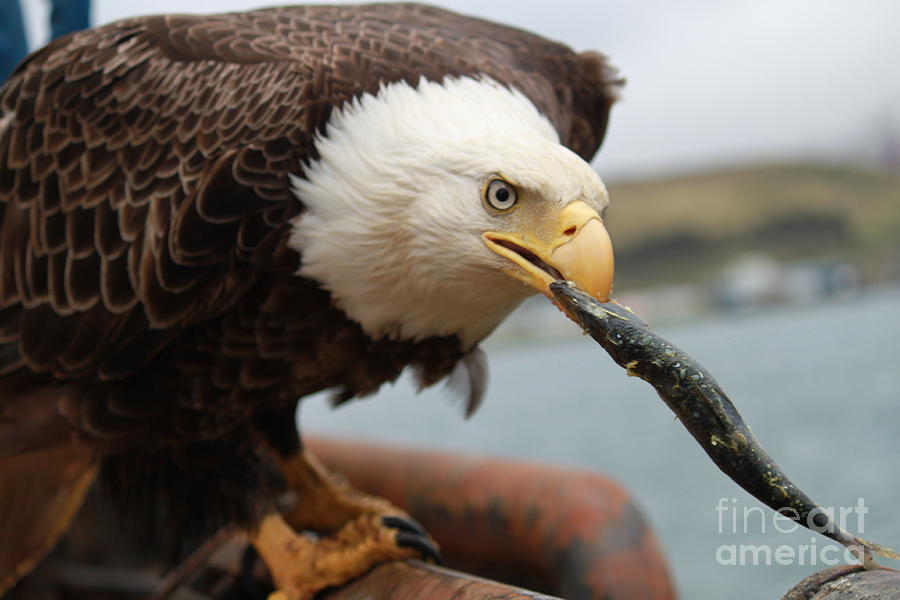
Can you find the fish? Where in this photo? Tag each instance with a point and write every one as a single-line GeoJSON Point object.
{"type": "Point", "coordinates": [706, 411]}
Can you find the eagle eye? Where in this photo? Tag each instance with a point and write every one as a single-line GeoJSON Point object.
{"type": "Point", "coordinates": [500, 194]}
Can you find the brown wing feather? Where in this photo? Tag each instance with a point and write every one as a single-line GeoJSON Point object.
{"type": "Point", "coordinates": [145, 163]}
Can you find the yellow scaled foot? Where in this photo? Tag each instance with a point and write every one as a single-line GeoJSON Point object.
{"type": "Point", "coordinates": [353, 532]}
{"type": "Point", "coordinates": [302, 565]}
{"type": "Point", "coordinates": [325, 500]}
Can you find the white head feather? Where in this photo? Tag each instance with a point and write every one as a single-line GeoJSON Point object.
{"type": "Point", "coordinates": [394, 216]}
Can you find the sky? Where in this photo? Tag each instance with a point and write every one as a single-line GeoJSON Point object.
{"type": "Point", "coordinates": [709, 82]}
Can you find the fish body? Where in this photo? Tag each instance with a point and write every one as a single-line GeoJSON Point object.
{"type": "Point", "coordinates": [705, 410]}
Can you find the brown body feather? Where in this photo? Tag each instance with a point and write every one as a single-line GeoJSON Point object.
{"type": "Point", "coordinates": [144, 193]}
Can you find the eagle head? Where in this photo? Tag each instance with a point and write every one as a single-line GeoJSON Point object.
{"type": "Point", "coordinates": [436, 209]}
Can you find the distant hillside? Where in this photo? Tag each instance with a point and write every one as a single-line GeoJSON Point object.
{"type": "Point", "coordinates": [686, 228]}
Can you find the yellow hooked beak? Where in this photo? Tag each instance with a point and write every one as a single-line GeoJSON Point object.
{"type": "Point", "coordinates": [576, 248]}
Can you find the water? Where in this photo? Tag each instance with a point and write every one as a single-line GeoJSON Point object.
{"type": "Point", "coordinates": [819, 386]}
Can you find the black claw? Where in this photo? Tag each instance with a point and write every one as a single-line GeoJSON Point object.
{"type": "Point", "coordinates": [420, 543]}
{"type": "Point", "coordinates": [412, 535]}
{"type": "Point", "coordinates": [404, 524]}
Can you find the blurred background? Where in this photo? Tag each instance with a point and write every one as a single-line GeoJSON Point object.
{"type": "Point", "coordinates": [754, 169]}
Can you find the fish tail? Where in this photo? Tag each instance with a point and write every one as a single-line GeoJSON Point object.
{"type": "Point", "coordinates": [882, 551]}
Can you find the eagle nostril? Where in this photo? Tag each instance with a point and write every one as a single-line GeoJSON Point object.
{"type": "Point", "coordinates": [570, 231]}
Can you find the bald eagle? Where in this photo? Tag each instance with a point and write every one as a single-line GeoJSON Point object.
{"type": "Point", "coordinates": [207, 218]}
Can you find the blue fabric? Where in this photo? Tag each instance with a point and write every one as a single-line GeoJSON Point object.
{"type": "Point", "coordinates": [13, 45]}
{"type": "Point", "coordinates": [66, 16]}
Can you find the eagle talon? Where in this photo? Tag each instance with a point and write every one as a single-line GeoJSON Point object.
{"type": "Point", "coordinates": [404, 524]}
{"type": "Point", "coordinates": [422, 544]}
{"type": "Point", "coordinates": [412, 535]}
{"type": "Point", "coordinates": [301, 564]}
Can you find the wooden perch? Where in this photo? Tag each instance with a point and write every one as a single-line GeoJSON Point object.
{"type": "Point", "coordinates": [414, 580]}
